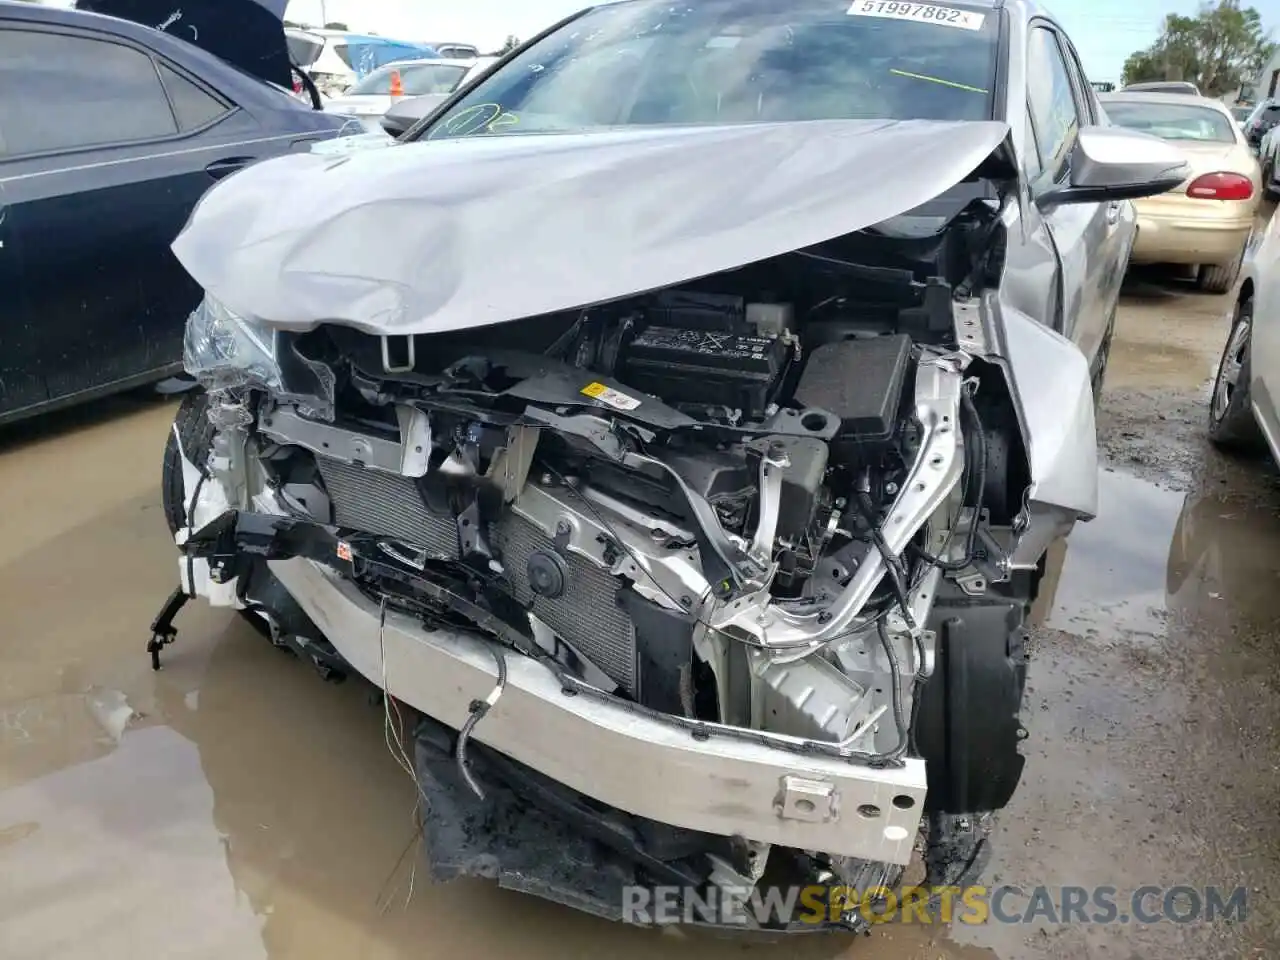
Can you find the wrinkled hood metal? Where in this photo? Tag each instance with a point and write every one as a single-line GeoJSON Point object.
{"type": "Point", "coordinates": [428, 237]}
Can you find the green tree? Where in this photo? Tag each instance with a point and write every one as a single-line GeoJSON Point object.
{"type": "Point", "coordinates": [337, 25]}
{"type": "Point", "coordinates": [1219, 49]}
{"type": "Point", "coordinates": [509, 44]}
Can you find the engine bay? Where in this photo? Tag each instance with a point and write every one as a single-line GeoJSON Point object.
{"type": "Point", "coordinates": [679, 495]}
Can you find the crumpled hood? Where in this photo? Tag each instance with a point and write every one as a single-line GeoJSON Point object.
{"type": "Point", "coordinates": [456, 233]}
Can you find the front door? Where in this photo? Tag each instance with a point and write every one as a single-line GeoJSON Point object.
{"type": "Point", "coordinates": [108, 154]}
{"type": "Point", "coordinates": [1080, 231]}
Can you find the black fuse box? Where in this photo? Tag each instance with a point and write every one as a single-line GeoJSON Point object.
{"type": "Point", "coordinates": [705, 367]}
{"type": "Point", "coordinates": [860, 381]}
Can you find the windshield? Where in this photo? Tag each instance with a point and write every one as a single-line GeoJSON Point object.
{"type": "Point", "coordinates": [1173, 121]}
{"type": "Point", "coordinates": [739, 61]}
{"type": "Point", "coordinates": [416, 79]}
{"type": "Point", "coordinates": [1241, 113]}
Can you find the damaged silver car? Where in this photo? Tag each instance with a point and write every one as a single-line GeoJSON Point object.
{"type": "Point", "coordinates": [677, 420]}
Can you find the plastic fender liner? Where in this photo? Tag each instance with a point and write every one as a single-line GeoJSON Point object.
{"type": "Point", "coordinates": [967, 728]}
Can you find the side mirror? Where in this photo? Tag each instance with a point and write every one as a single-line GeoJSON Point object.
{"type": "Point", "coordinates": [406, 113]}
{"type": "Point", "coordinates": [1111, 163]}
{"type": "Point", "coordinates": [395, 125]}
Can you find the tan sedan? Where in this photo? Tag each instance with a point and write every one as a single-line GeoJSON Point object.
{"type": "Point", "coordinates": [1207, 220]}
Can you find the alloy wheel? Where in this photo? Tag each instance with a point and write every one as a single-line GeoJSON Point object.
{"type": "Point", "coordinates": [1228, 379]}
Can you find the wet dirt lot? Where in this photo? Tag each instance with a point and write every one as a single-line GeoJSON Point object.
{"type": "Point", "coordinates": [234, 806]}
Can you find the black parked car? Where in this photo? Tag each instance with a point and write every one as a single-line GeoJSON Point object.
{"type": "Point", "coordinates": [1265, 115]}
{"type": "Point", "coordinates": [110, 131]}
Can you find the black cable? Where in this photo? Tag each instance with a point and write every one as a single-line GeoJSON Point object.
{"type": "Point", "coordinates": [906, 737]}
{"type": "Point", "coordinates": [191, 515]}
{"type": "Point", "coordinates": [899, 715]}
{"type": "Point", "coordinates": [479, 709]}
{"type": "Point", "coordinates": [893, 564]}
{"type": "Point", "coordinates": [978, 481]}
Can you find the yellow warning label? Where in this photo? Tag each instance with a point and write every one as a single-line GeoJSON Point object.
{"type": "Point", "coordinates": [611, 397]}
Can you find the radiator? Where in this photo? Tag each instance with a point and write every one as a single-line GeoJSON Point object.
{"type": "Point", "coordinates": [587, 615]}
{"type": "Point", "coordinates": [376, 502]}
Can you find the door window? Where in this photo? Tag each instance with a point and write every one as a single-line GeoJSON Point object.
{"type": "Point", "coordinates": [1051, 100]}
{"type": "Point", "coordinates": [1031, 165]}
{"type": "Point", "coordinates": [64, 92]}
{"type": "Point", "coordinates": [1086, 95]}
{"type": "Point", "coordinates": [193, 107]}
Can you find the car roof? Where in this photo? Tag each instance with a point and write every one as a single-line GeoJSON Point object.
{"type": "Point", "coordinates": [1151, 96]}
{"type": "Point", "coordinates": [438, 61]}
{"type": "Point", "coordinates": [66, 17]}
{"type": "Point", "coordinates": [466, 64]}
{"type": "Point", "coordinates": [244, 87]}
{"type": "Point", "coordinates": [1160, 86]}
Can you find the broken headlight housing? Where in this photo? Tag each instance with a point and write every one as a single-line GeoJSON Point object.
{"type": "Point", "coordinates": [225, 351]}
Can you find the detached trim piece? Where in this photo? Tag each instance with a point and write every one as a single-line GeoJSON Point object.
{"type": "Point", "coordinates": [632, 761]}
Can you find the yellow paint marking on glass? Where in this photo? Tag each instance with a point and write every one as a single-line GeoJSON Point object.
{"type": "Point", "coordinates": [945, 83]}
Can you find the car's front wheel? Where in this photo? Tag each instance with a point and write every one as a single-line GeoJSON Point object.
{"type": "Point", "coordinates": [1098, 380]}
{"type": "Point", "coordinates": [191, 437]}
{"type": "Point", "coordinates": [1231, 422]}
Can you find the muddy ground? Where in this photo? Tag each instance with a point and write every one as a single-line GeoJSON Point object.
{"type": "Point", "coordinates": [235, 807]}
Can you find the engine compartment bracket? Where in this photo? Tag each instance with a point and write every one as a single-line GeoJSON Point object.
{"type": "Point", "coordinates": [406, 457]}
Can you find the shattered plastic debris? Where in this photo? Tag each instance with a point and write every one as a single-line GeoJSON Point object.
{"type": "Point", "coordinates": [111, 710]}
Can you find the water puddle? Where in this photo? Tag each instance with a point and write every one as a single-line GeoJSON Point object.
{"type": "Point", "coordinates": [234, 806]}
{"type": "Point", "coordinates": [1112, 577]}
{"type": "Point", "coordinates": [1152, 553]}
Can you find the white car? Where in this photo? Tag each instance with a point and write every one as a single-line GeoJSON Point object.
{"type": "Point", "coordinates": [371, 97]}
{"type": "Point", "coordinates": [337, 59]}
{"type": "Point", "coordinates": [1242, 411]}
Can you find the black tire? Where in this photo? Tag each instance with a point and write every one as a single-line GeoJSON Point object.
{"type": "Point", "coordinates": [196, 432]}
{"type": "Point", "coordinates": [1231, 422]}
{"type": "Point", "coordinates": [1219, 277]}
{"type": "Point", "coordinates": [1104, 354]}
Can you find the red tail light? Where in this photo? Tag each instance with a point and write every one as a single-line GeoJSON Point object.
{"type": "Point", "coordinates": [1221, 186]}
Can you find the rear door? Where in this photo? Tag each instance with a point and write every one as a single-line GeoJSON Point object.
{"type": "Point", "coordinates": [1079, 231]}
{"type": "Point", "coordinates": [109, 149]}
